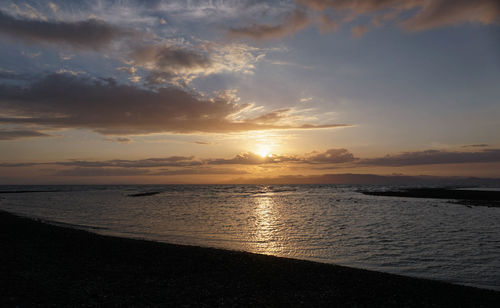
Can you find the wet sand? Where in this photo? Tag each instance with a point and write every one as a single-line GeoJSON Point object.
{"type": "Point", "coordinates": [466, 197]}
{"type": "Point", "coordinates": [47, 265]}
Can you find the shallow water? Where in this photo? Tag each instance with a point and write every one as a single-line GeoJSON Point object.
{"type": "Point", "coordinates": [328, 223]}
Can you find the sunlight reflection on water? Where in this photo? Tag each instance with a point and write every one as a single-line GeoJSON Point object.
{"type": "Point", "coordinates": [266, 237]}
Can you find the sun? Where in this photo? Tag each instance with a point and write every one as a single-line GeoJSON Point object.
{"type": "Point", "coordinates": [263, 150]}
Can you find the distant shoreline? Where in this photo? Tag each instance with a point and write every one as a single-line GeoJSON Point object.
{"type": "Point", "coordinates": [43, 265]}
{"type": "Point", "coordinates": [490, 198]}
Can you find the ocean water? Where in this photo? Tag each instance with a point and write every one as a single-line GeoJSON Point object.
{"type": "Point", "coordinates": [426, 238]}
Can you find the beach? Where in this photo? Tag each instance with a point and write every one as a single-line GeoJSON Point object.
{"type": "Point", "coordinates": [47, 265]}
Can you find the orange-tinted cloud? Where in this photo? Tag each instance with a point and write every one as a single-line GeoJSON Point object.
{"type": "Point", "coordinates": [440, 13]}
{"type": "Point", "coordinates": [359, 31]}
{"type": "Point", "coordinates": [413, 15]}
{"type": "Point", "coordinates": [294, 23]}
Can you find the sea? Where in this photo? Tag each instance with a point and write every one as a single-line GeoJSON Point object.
{"type": "Point", "coordinates": [427, 238]}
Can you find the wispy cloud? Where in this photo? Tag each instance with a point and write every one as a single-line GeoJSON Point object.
{"type": "Point", "coordinates": [11, 75]}
{"type": "Point", "coordinates": [119, 140]}
{"type": "Point", "coordinates": [84, 172]}
{"type": "Point", "coordinates": [479, 145]}
{"type": "Point", "coordinates": [412, 15]}
{"type": "Point", "coordinates": [293, 23]}
{"type": "Point", "coordinates": [18, 134]}
{"type": "Point", "coordinates": [434, 157]}
{"type": "Point", "coordinates": [180, 63]}
{"type": "Point", "coordinates": [202, 142]}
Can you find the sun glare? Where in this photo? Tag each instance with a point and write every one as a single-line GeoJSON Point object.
{"type": "Point", "coordinates": [264, 150]}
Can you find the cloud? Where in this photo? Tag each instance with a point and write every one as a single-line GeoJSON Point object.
{"type": "Point", "coordinates": [271, 117]}
{"type": "Point", "coordinates": [479, 145]}
{"type": "Point", "coordinates": [101, 172]}
{"type": "Point", "coordinates": [292, 24]}
{"type": "Point", "coordinates": [67, 101]}
{"type": "Point", "coordinates": [88, 172]}
{"type": "Point", "coordinates": [162, 57]}
{"type": "Point", "coordinates": [429, 157]}
{"type": "Point", "coordinates": [315, 160]}
{"type": "Point", "coordinates": [435, 14]}
{"type": "Point", "coordinates": [119, 140]}
{"type": "Point", "coordinates": [171, 62]}
{"type": "Point", "coordinates": [18, 134]}
{"type": "Point", "coordinates": [172, 161]}
{"type": "Point", "coordinates": [412, 15]}
{"type": "Point", "coordinates": [86, 34]}
{"type": "Point", "coordinates": [359, 31]}
{"type": "Point", "coordinates": [252, 159]}
{"type": "Point", "coordinates": [199, 171]}
{"type": "Point", "coordinates": [220, 11]}
{"type": "Point", "coordinates": [168, 62]}
{"type": "Point", "coordinates": [10, 75]}
{"type": "Point", "coordinates": [359, 6]}
{"type": "Point", "coordinates": [349, 178]}
{"type": "Point", "coordinates": [331, 156]}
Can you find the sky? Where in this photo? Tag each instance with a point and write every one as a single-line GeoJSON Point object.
{"type": "Point", "coordinates": [240, 91]}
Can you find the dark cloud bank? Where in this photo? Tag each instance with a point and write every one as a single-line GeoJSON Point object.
{"type": "Point", "coordinates": [349, 178]}
{"type": "Point", "coordinates": [86, 34]}
{"type": "Point", "coordinates": [67, 101]}
{"type": "Point", "coordinates": [329, 157]}
{"type": "Point", "coordinates": [430, 157]}
{"type": "Point", "coordinates": [18, 134]}
{"type": "Point", "coordinates": [344, 157]}
{"type": "Point", "coordinates": [190, 165]}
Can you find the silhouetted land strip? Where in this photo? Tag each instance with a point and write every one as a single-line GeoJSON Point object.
{"type": "Point", "coordinates": [143, 194]}
{"type": "Point", "coordinates": [26, 191]}
{"type": "Point", "coordinates": [47, 265]}
{"type": "Point", "coordinates": [467, 197]}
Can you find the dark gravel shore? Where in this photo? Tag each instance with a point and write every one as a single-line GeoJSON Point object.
{"type": "Point", "coordinates": [46, 265]}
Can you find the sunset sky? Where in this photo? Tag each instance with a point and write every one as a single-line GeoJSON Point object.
{"type": "Point", "coordinates": [200, 91]}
